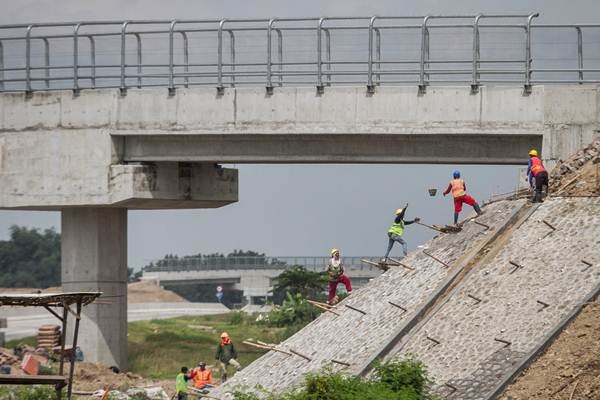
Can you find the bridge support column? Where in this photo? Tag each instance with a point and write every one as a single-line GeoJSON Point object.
{"type": "Point", "coordinates": [94, 258]}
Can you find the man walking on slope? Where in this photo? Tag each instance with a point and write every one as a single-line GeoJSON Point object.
{"type": "Point", "coordinates": [536, 170]}
{"type": "Point", "coordinates": [335, 271]}
{"type": "Point", "coordinates": [459, 188]}
{"type": "Point", "coordinates": [397, 230]}
{"type": "Point", "coordinates": [226, 355]}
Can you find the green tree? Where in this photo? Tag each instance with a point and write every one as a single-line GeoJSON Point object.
{"type": "Point", "coordinates": [30, 258]}
{"type": "Point", "coordinates": [297, 280]}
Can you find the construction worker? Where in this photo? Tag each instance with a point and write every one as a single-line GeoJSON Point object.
{"type": "Point", "coordinates": [459, 188]}
{"type": "Point", "coordinates": [226, 355]}
{"type": "Point", "coordinates": [396, 231]}
{"type": "Point", "coordinates": [335, 271]}
{"type": "Point", "coordinates": [537, 172]}
{"type": "Point", "coordinates": [202, 376]}
{"type": "Point", "coordinates": [181, 384]}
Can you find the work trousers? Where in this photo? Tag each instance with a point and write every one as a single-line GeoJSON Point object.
{"type": "Point", "coordinates": [541, 180]}
{"type": "Point", "coordinates": [223, 367]}
{"type": "Point", "coordinates": [182, 396]}
{"type": "Point", "coordinates": [333, 286]}
{"type": "Point", "coordinates": [395, 238]}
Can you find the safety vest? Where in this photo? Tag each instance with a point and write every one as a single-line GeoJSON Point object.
{"type": "Point", "coordinates": [180, 383]}
{"type": "Point", "coordinates": [458, 187]}
{"type": "Point", "coordinates": [202, 378]}
{"type": "Point", "coordinates": [397, 229]}
{"type": "Point", "coordinates": [536, 166]}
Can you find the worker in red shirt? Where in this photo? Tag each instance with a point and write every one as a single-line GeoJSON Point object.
{"type": "Point", "coordinates": [458, 188]}
{"type": "Point", "coordinates": [536, 172]}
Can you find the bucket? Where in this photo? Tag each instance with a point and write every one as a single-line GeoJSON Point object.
{"type": "Point", "coordinates": [432, 192]}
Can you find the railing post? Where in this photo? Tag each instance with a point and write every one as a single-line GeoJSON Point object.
{"type": "Point", "coordinates": [579, 53]}
{"type": "Point", "coordinates": [186, 60]}
{"type": "Point", "coordinates": [269, 87]}
{"type": "Point", "coordinates": [370, 85]}
{"type": "Point", "coordinates": [1, 66]}
{"type": "Point", "coordinates": [424, 48]}
{"type": "Point", "coordinates": [123, 87]}
{"type": "Point", "coordinates": [328, 53]}
{"type": "Point", "coordinates": [93, 59]}
{"type": "Point", "coordinates": [46, 62]}
{"type": "Point", "coordinates": [320, 87]}
{"type": "Point", "coordinates": [232, 55]}
{"type": "Point", "coordinates": [76, 59]}
{"type": "Point", "coordinates": [528, 60]}
{"type": "Point", "coordinates": [138, 40]}
{"type": "Point", "coordinates": [220, 87]}
{"type": "Point", "coordinates": [280, 55]}
{"type": "Point", "coordinates": [378, 54]}
{"type": "Point", "coordinates": [475, 77]}
{"type": "Point", "coordinates": [28, 89]}
{"type": "Point", "coordinates": [171, 59]}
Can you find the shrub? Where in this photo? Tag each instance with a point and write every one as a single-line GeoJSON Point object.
{"type": "Point", "coordinates": [294, 311]}
{"type": "Point", "coordinates": [28, 393]}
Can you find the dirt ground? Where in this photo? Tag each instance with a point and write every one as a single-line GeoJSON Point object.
{"type": "Point", "coordinates": [90, 377]}
{"type": "Point", "coordinates": [150, 292]}
{"type": "Point", "coordinates": [569, 367]}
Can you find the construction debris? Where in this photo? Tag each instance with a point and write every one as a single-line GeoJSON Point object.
{"type": "Point", "coordinates": [579, 175]}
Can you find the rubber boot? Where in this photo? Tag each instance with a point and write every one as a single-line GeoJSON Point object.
{"type": "Point", "coordinates": [477, 209]}
{"type": "Point", "coordinates": [455, 218]}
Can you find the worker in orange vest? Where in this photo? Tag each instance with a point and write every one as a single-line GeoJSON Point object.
{"type": "Point", "coordinates": [537, 172]}
{"type": "Point", "coordinates": [459, 188]}
{"type": "Point", "coordinates": [202, 376]}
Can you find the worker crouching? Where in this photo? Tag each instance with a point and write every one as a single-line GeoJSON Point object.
{"type": "Point", "coordinates": [335, 271]}
{"type": "Point", "coordinates": [459, 193]}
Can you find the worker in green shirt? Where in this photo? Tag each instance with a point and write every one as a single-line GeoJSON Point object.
{"type": "Point", "coordinates": [181, 384]}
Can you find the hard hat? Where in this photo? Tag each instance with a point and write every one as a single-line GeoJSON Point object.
{"type": "Point", "coordinates": [201, 364]}
{"type": "Point", "coordinates": [533, 152]}
{"type": "Point", "coordinates": [333, 251]}
{"type": "Point", "coordinates": [456, 174]}
{"type": "Point", "coordinates": [399, 211]}
{"type": "Point", "coordinates": [224, 334]}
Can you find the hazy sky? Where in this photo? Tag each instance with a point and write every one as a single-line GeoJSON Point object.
{"type": "Point", "coordinates": [295, 209]}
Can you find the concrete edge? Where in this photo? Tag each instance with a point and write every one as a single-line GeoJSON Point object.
{"type": "Point", "coordinates": [427, 305]}
{"type": "Point", "coordinates": [550, 338]}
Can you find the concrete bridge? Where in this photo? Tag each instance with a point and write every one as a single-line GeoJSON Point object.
{"type": "Point", "coordinates": [146, 129]}
{"type": "Point", "coordinates": [254, 276]}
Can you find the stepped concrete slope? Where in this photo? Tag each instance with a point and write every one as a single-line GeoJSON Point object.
{"type": "Point", "coordinates": [513, 303]}
{"type": "Point", "coordinates": [371, 319]}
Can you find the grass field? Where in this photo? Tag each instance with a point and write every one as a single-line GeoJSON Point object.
{"type": "Point", "coordinates": [159, 348]}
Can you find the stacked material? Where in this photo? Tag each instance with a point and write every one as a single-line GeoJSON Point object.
{"type": "Point", "coordinates": [579, 174]}
{"type": "Point", "coordinates": [48, 336]}
{"type": "Point", "coordinates": [6, 358]}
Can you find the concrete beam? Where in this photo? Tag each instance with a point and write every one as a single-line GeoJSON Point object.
{"type": "Point", "coordinates": [333, 148]}
{"type": "Point", "coordinates": [94, 258]}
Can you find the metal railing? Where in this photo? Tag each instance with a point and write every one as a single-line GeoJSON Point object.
{"type": "Point", "coordinates": [375, 50]}
{"type": "Point", "coordinates": [208, 263]}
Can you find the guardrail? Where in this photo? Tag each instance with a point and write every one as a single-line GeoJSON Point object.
{"type": "Point", "coordinates": [374, 50]}
{"type": "Point", "coordinates": [235, 263]}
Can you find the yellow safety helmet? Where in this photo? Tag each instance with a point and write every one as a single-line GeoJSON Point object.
{"type": "Point", "coordinates": [533, 152]}
{"type": "Point", "coordinates": [334, 250]}
{"type": "Point", "coordinates": [399, 211]}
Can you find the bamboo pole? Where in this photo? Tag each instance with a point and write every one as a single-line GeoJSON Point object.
{"type": "Point", "coordinates": [323, 306]}
{"type": "Point", "coordinates": [266, 347]}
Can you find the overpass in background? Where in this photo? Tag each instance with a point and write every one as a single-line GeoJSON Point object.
{"type": "Point", "coordinates": [254, 276]}
{"type": "Point", "coordinates": [100, 117]}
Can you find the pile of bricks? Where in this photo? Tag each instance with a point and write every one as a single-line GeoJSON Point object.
{"type": "Point", "coordinates": [48, 336]}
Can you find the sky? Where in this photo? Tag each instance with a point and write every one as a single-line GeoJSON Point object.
{"type": "Point", "coordinates": [293, 210]}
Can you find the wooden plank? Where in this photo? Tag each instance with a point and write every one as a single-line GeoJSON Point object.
{"type": "Point", "coordinates": [33, 380]}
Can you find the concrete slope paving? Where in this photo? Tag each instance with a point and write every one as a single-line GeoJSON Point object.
{"type": "Point", "coordinates": [513, 303]}
{"type": "Point", "coordinates": [374, 316]}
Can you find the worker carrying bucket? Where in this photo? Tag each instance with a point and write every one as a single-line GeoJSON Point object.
{"type": "Point", "coordinates": [458, 188]}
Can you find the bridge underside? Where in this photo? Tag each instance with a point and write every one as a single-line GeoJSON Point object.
{"type": "Point", "coordinates": [333, 148]}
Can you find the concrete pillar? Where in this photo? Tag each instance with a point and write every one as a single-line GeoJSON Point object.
{"type": "Point", "coordinates": [94, 258]}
